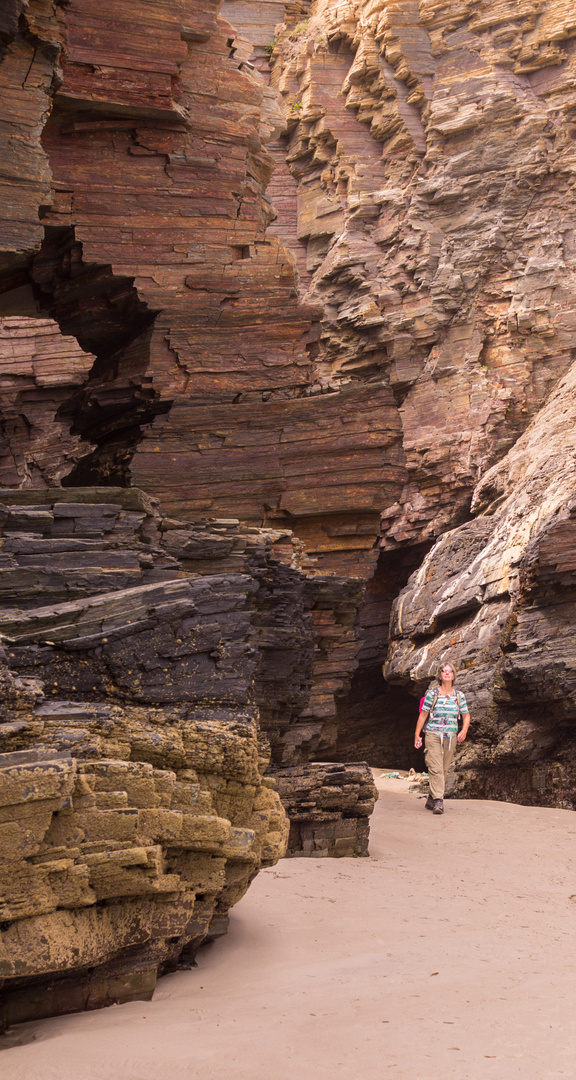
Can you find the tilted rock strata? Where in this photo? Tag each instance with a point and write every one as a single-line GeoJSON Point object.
{"type": "Point", "coordinates": [157, 259]}
{"type": "Point", "coordinates": [425, 186]}
{"type": "Point", "coordinates": [498, 595]}
{"type": "Point", "coordinates": [425, 192]}
{"type": "Point", "coordinates": [32, 39]}
{"type": "Point", "coordinates": [431, 163]}
{"type": "Point", "coordinates": [307, 645]}
{"type": "Point", "coordinates": [39, 369]}
{"type": "Point", "coordinates": [132, 799]}
{"type": "Point", "coordinates": [114, 871]}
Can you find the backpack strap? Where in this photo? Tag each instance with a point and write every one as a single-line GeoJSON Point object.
{"type": "Point", "coordinates": [431, 710]}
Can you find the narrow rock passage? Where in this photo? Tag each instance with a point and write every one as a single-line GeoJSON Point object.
{"type": "Point", "coordinates": [447, 955]}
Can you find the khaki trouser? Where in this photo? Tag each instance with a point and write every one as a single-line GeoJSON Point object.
{"type": "Point", "coordinates": [439, 754]}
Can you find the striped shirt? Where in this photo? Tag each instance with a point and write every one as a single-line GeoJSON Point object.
{"type": "Point", "coordinates": [443, 720]}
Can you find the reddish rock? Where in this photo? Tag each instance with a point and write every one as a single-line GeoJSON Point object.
{"type": "Point", "coordinates": [32, 38]}
{"type": "Point", "coordinates": [231, 346]}
{"type": "Point", "coordinates": [39, 368]}
{"type": "Point", "coordinates": [351, 368]}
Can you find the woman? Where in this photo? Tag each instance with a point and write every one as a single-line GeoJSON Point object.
{"type": "Point", "coordinates": [440, 711]}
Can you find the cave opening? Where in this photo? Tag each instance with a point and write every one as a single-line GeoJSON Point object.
{"type": "Point", "coordinates": [375, 718]}
{"type": "Point", "coordinates": [103, 312]}
{"type": "Point", "coordinates": [101, 309]}
{"type": "Point", "coordinates": [380, 721]}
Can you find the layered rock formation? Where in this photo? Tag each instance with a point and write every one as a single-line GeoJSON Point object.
{"type": "Point", "coordinates": [305, 269]}
{"type": "Point", "coordinates": [429, 159]}
{"type": "Point", "coordinates": [329, 807]}
{"type": "Point", "coordinates": [39, 369]}
{"type": "Point", "coordinates": [169, 277]}
{"type": "Point", "coordinates": [133, 808]}
{"type": "Point", "coordinates": [429, 201]}
{"type": "Point", "coordinates": [150, 666]}
{"type": "Point", "coordinates": [499, 594]}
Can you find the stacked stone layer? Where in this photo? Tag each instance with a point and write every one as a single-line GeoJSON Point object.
{"type": "Point", "coordinates": [387, 357]}
{"type": "Point", "coordinates": [429, 192]}
{"type": "Point", "coordinates": [151, 669]}
{"type": "Point", "coordinates": [39, 369]}
{"type": "Point", "coordinates": [133, 811]}
{"type": "Point", "coordinates": [329, 807]}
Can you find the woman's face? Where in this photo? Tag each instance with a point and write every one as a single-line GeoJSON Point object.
{"type": "Point", "coordinates": [447, 673]}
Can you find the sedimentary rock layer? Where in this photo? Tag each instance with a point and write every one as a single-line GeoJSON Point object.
{"type": "Point", "coordinates": [351, 368]}
{"type": "Point", "coordinates": [32, 38]}
{"type": "Point", "coordinates": [152, 668]}
{"type": "Point", "coordinates": [499, 593]}
{"type": "Point", "coordinates": [425, 186]}
{"type": "Point", "coordinates": [430, 185]}
{"type": "Point", "coordinates": [157, 259]}
{"type": "Point", "coordinates": [329, 807]}
{"type": "Point", "coordinates": [133, 809]}
{"type": "Point", "coordinates": [39, 369]}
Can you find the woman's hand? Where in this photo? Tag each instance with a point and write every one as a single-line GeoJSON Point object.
{"type": "Point", "coordinates": [422, 717]}
{"type": "Point", "coordinates": [465, 725]}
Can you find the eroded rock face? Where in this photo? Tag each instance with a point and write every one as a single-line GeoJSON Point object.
{"type": "Point", "coordinates": [39, 369]}
{"type": "Point", "coordinates": [350, 369]}
{"type": "Point", "coordinates": [32, 39]}
{"type": "Point", "coordinates": [425, 187]}
{"type": "Point", "coordinates": [157, 258]}
{"type": "Point", "coordinates": [429, 195]}
{"type": "Point", "coordinates": [152, 669]}
{"type": "Point", "coordinates": [133, 808]}
{"type": "Point", "coordinates": [329, 807]}
{"type": "Point", "coordinates": [153, 331]}
{"type": "Point", "coordinates": [498, 595]}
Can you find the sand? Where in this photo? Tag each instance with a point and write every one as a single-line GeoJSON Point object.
{"type": "Point", "coordinates": [449, 954]}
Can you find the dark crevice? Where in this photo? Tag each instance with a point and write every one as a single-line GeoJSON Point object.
{"type": "Point", "coordinates": [106, 316]}
{"type": "Point", "coordinates": [375, 719]}
{"type": "Point", "coordinates": [10, 13]}
{"type": "Point", "coordinates": [380, 722]}
{"type": "Point", "coordinates": [102, 311]}
{"type": "Point", "coordinates": [14, 275]}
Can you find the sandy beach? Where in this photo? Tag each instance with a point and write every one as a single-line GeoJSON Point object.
{"type": "Point", "coordinates": [447, 955]}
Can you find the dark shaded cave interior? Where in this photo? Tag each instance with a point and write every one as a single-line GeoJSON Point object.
{"type": "Point", "coordinates": [376, 723]}
{"type": "Point", "coordinates": [376, 719]}
{"type": "Point", "coordinates": [104, 313]}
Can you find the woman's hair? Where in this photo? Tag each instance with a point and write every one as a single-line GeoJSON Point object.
{"type": "Point", "coordinates": [446, 663]}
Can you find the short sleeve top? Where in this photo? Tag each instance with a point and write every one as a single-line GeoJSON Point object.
{"type": "Point", "coordinates": [443, 719]}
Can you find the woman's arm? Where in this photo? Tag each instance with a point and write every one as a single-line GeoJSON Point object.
{"type": "Point", "coordinates": [419, 725]}
{"type": "Point", "coordinates": [465, 725]}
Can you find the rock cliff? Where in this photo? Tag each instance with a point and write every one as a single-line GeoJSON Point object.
{"type": "Point", "coordinates": [498, 593]}
{"type": "Point", "coordinates": [304, 272]}
{"type": "Point", "coordinates": [425, 185]}
{"type": "Point", "coordinates": [149, 665]}
{"type": "Point", "coordinates": [146, 320]}
{"type": "Point", "coordinates": [132, 805]}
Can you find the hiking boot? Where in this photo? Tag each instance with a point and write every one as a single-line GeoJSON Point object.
{"type": "Point", "coordinates": [429, 804]}
{"type": "Point", "coordinates": [438, 807]}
